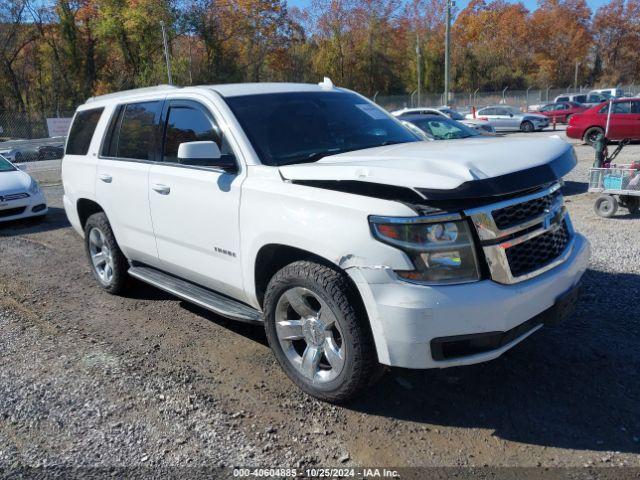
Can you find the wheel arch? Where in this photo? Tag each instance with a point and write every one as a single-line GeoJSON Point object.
{"type": "Point", "coordinates": [85, 209]}
{"type": "Point", "coordinates": [274, 256]}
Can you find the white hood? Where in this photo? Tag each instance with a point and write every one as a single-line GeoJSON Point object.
{"type": "Point", "coordinates": [15, 181]}
{"type": "Point", "coordinates": [441, 165]}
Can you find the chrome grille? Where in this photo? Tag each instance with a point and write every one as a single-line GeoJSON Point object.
{"type": "Point", "coordinates": [526, 236]}
{"type": "Point", "coordinates": [529, 256]}
{"type": "Point", "coordinates": [521, 212]}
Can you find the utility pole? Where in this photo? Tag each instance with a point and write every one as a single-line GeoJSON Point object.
{"type": "Point", "coordinates": [418, 69]}
{"type": "Point", "coordinates": [447, 47]}
{"type": "Point", "coordinates": [575, 78]}
{"type": "Point", "coordinates": [166, 53]}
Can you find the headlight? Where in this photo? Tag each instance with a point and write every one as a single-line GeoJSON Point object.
{"type": "Point", "coordinates": [34, 187]}
{"type": "Point", "coordinates": [441, 251]}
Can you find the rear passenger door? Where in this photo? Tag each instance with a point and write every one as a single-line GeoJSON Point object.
{"type": "Point", "coordinates": [127, 153]}
{"type": "Point", "coordinates": [623, 121]}
{"type": "Point", "coordinates": [195, 209]}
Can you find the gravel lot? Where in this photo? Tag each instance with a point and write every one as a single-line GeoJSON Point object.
{"type": "Point", "coordinates": [89, 379]}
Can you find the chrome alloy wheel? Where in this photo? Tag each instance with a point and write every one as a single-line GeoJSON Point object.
{"type": "Point", "coordinates": [309, 334]}
{"type": "Point", "coordinates": [101, 256]}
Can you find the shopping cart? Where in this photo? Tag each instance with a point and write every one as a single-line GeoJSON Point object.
{"type": "Point", "coordinates": [618, 185]}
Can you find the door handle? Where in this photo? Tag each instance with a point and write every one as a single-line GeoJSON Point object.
{"type": "Point", "coordinates": [105, 177]}
{"type": "Point", "coordinates": [161, 189]}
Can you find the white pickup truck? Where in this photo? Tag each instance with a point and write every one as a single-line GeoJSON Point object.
{"type": "Point", "coordinates": [311, 211]}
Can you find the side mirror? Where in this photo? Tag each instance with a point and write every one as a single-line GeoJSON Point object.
{"type": "Point", "coordinates": [205, 154]}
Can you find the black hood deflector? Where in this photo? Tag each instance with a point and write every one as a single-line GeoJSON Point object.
{"type": "Point", "coordinates": [467, 195]}
{"type": "Point", "coordinates": [507, 184]}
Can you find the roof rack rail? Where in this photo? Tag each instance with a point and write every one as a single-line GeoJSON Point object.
{"type": "Point", "coordinates": [157, 88]}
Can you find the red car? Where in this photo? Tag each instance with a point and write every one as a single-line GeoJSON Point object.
{"type": "Point", "coordinates": [624, 123]}
{"type": "Point", "coordinates": [561, 111]}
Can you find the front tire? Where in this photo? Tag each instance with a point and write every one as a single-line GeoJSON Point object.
{"type": "Point", "coordinates": [606, 206]}
{"type": "Point", "coordinates": [527, 126]}
{"type": "Point", "coordinates": [318, 334]}
{"type": "Point", "coordinates": [108, 263]}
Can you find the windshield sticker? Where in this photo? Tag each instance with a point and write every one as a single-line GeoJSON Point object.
{"type": "Point", "coordinates": [372, 111]}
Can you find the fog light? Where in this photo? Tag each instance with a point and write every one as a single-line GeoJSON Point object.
{"type": "Point", "coordinates": [38, 208]}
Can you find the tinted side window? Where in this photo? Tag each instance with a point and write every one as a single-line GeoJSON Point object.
{"type": "Point", "coordinates": [185, 124]}
{"type": "Point", "coordinates": [635, 107]}
{"type": "Point", "coordinates": [562, 99]}
{"type": "Point", "coordinates": [138, 131]}
{"type": "Point", "coordinates": [622, 107]}
{"type": "Point", "coordinates": [580, 98]}
{"type": "Point", "coordinates": [82, 131]}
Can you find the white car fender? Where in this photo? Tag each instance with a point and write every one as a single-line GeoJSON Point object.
{"type": "Point", "coordinates": [332, 225]}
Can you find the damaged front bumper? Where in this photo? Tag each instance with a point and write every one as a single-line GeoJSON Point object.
{"type": "Point", "coordinates": [409, 321]}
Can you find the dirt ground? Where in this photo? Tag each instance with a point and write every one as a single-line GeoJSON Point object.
{"type": "Point", "coordinates": [89, 379]}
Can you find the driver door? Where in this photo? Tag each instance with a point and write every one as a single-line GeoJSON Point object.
{"type": "Point", "coordinates": [195, 209]}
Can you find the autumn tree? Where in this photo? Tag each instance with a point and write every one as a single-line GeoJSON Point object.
{"type": "Point", "coordinates": [492, 45]}
{"type": "Point", "coordinates": [561, 33]}
{"type": "Point", "coordinates": [616, 32]}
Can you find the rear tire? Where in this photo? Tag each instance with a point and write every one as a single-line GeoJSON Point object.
{"type": "Point", "coordinates": [591, 134]}
{"type": "Point", "coordinates": [108, 263]}
{"type": "Point", "coordinates": [318, 334]}
{"type": "Point", "coordinates": [606, 206]}
{"type": "Point", "coordinates": [527, 126]}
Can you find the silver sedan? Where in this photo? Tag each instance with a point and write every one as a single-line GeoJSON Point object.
{"type": "Point", "coordinates": [504, 117]}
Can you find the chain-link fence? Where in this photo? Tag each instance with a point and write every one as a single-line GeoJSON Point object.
{"type": "Point", "coordinates": [32, 125]}
{"type": "Point", "coordinates": [463, 101]}
{"type": "Point", "coordinates": [34, 141]}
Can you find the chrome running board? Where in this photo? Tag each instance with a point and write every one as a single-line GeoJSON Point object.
{"type": "Point", "coordinates": [200, 296]}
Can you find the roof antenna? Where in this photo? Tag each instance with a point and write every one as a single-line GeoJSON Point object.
{"type": "Point", "coordinates": [326, 84]}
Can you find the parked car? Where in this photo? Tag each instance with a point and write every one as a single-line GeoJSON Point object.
{"type": "Point", "coordinates": [482, 126]}
{"type": "Point", "coordinates": [437, 127]}
{"type": "Point", "coordinates": [50, 152]}
{"type": "Point", "coordinates": [312, 212]}
{"type": "Point", "coordinates": [20, 195]}
{"type": "Point", "coordinates": [561, 111]}
{"type": "Point", "coordinates": [588, 100]}
{"type": "Point", "coordinates": [504, 117]}
{"type": "Point", "coordinates": [624, 123]}
{"type": "Point", "coordinates": [19, 154]}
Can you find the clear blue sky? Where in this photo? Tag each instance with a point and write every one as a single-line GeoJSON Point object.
{"type": "Point", "coordinates": [530, 4]}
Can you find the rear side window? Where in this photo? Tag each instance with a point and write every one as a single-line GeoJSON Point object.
{"type": "Point", "coordinates": [580, 98]}
{"type": "Point", "coordinates": [562, 99]}
{"type": "Point", "coordinates": [132, 133]}
{"type": "Point", "coordinates": [82, 130]}
{"type": "Point", "coordinates": [622, 107]}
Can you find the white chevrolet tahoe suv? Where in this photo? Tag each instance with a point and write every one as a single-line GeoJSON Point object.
{"type": "Point", "coordinates": [311, 211]}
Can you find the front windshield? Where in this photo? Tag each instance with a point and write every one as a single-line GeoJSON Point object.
{"type": "Point", "coordinates": [444, 129]}
{"type": "Point", "coordinates": [301, 127]}
{"type": "Point", "coordinates": [5, 166]}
